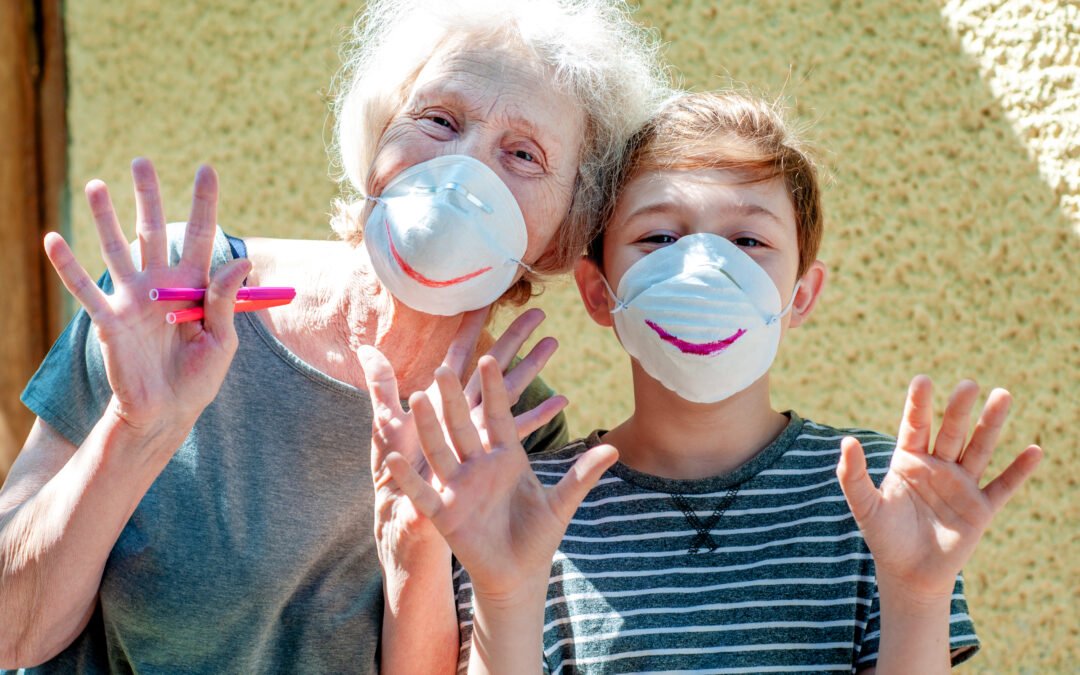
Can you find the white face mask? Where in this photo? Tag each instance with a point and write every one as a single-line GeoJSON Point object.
{"type": "Point", "coordinates": [446, 236]}
{"type": "Point", "coordinates": [700, 316]}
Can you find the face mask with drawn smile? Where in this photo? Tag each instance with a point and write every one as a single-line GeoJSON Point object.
{"type": "Point", "coordinates": [700, 316]}
{"type": "Point", "coordinates": [446, 236]}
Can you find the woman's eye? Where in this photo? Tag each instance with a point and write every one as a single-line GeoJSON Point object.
{"type": "Point", "coordinates": [441, 121]}
{"type": "Point", "coordinates": [522, 154]}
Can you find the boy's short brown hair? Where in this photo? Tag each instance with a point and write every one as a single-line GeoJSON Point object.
{"type": "Point", "coordinates": [731, 131]}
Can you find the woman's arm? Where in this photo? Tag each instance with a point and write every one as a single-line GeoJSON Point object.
{"type": "Point", "coordinates": [62, 508]}
{"type": "Point", "coordinates": [923, 524]}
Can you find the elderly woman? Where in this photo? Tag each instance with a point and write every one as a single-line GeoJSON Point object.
{"type": "Point", "coordinates": [199, 497]}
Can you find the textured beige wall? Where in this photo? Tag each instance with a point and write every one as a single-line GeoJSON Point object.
{"type": "Point", "coordinates": [949, 237]}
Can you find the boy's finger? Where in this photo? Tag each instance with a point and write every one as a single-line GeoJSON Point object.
{"type": "Point", "coordinates": [423, 496]}
{"type": "Point", "coordinates": [381, 383]}
{"type": "Point", "coordinates": [1002, 488]}
{"type": "Point", "coordinates": [507, 346]}
{"type": "Point", "coordinates": [984, 439]}
{"type": "Point", "coordinates": [859, 491]}
{"type": "Point", "coordinates": [440, 457]}
{"type": "Point", "coordinates": [531, 420]}
{"type": "Point", "coordinates": [456, 418]}
{"type": "Point", "coordinates": [114, 247]}
{"type": "Point", "coordinates": [949, 443]}
{"type": "Point", "coordinates": [582, 477]}
{"type": "Point", "coordinates": [499, 420]}
{"type": "Point", "coordinates": [463, 346]}
{"type": "Point", "coordinates": [199, 234]}
{"type": "Point", "coordinates": [914, 434]}
{"type": "Point", "coordinates": [221, 298]}
{"type": "Point", "coordinates": [74, 277]}
{"type": "Point", "coordinates": [526, 370]}
{"type": "Point", "coordinates": [150, 216]}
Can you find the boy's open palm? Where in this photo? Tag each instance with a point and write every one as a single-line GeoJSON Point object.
{"type": "Point", "coordinates": [924, 522]}
{"type": "Point", "coordinates": [500, 522]}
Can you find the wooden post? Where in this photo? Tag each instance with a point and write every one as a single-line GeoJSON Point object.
{"type": "Point", "coordinates": [32, 167]}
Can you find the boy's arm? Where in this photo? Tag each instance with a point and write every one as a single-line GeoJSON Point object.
{"type": "Point", "coordinates": [419, 631]}
{"type": "Point", "coordinates": [502, 524]}
{"type": "Point", "coordinates": [925, 521]}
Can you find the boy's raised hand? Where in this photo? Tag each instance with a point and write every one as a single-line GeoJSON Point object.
{"type": "Point", "coordinates": [500, 522]}
{"type": "Point", "coordinates": [924, 522]}
{"type": "Point", "coordinates": [394, 428]}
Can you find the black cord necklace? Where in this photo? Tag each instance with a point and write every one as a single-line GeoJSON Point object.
{"type": "Point", "coordinates": [704, 538]}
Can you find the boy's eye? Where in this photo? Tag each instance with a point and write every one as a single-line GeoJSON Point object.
{"type": "Point", "coordinates": [746, 242]}
{"type": "Point", "coordinates": [661, 239]}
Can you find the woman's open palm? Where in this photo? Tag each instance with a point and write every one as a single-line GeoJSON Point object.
{"type": "Point", "coordinates": [158, 372]}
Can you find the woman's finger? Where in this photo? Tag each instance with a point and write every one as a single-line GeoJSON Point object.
{"type": "Point", "coordinates": [440, 457]}
{"type": "Point", "coordinates": [459, 425]}
{"type": "Point", "coordinates": [218, 307]}
{"type": "Point", "coordinates": [381, 385]}
{"type": "Point", "coordinates": [114, 247]}
{"type": "Point", "coordinates": [74, 277]}
{"type": "Point", "coordinates": [984, 439]}
{"type": "Point", "coordinates": [423, 496]}
{"type": "Point", "coordinates": [1002, 488]}
{"type": "Point", "coordinates": [199, 234]}
{"type": "Point", "coordinates": [568, 494]}
{"type": "Point", "coordinates": [506, 347]}
{"type": "Point", "coordinates": [150, 216]}
{"type": "Point", "coordinates": [526, 370]}
{"type": "Point", "coordinates": [914, 434]}
{"type": "Point", "coordinates": [531, 420]}
{"type": "Point", "coordinates": [499, 420]}
{"type": "Point", "coordinates": [949, 443]}
{"type": "Point", "coordinates": [463, 346]}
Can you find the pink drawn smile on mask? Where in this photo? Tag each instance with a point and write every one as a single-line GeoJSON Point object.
{"type": "Point", "coordinates": [420, 278]}
{"type": "Point", "coordinates": [702, 349]}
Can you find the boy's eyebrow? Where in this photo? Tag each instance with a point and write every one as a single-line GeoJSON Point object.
{"type": "Point", "coordinates": [743, 209]}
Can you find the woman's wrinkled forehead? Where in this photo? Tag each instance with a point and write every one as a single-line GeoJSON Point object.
{"type": "Point", "coordinates": [484, 79]}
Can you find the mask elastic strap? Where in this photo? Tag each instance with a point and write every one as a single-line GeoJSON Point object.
{"type": "Point", "coordinates": [791, 303]}
{"type": "Point", "coordinates": [619, 304]}
{"type": "Point", "coordinates": [518, 261]}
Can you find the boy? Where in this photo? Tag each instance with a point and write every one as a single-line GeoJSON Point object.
{"type": "Point", "coordinates": [720, 541]}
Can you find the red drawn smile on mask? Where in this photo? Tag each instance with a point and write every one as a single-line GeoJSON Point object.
{"type": "Point", "coordinates": [702, 349]}
{"type": "Point", "coordinates": [420, 278]}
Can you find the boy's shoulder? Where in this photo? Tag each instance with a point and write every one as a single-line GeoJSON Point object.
{"type": "Point", "coordinates": [817, 437]}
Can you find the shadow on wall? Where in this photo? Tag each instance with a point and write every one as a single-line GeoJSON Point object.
{"type": "Point", "coordinates": [948, 255]}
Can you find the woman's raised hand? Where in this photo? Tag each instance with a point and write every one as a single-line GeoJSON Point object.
{"type": "Point", "coordinates": [924, 522]}
{"type": "Point", "coordinates": [160, 374]}
{"type": "Point", "coordinates": [394, 428]}
{"type": "Point", "coordinates": [500, 522]}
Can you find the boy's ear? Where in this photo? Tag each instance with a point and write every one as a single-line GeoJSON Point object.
{"type": "Point", "coordinates": [590, 283]}
{"type": "Point", "coordinates": [809, 291]}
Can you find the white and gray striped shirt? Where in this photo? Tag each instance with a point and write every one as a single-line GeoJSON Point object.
{"type": "Point", "coordinates": [759, 570]}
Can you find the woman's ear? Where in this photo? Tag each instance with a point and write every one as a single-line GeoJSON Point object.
{"type": "Point", "coordinates": [590, 283]}
{"type": "Point", "coordinates": [809, 291]}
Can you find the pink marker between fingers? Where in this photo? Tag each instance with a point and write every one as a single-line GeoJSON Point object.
{"type": "Point", "coordinates": [245, 293]}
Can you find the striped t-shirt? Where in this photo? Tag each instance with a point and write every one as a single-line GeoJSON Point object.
{"type": "Point", "coordinates": [759, 570]}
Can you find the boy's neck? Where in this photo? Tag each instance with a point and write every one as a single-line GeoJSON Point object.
{"type": "Point", "coordinates": [671, 437]}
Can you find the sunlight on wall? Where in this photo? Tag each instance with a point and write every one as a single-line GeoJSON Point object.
{"type": "Point", "coordinates": [1029, 54]}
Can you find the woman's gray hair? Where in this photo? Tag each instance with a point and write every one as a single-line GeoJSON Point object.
{"type": "Point", "coordinates": [595, 52]}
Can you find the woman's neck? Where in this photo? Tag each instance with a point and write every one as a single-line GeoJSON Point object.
{"type": "Point", "coordinates": [671, 437]}
{"type": "Point", "coordinates": [341, 305]}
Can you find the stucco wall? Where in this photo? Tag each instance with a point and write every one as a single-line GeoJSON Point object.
{"type": "Point", "coordinates": [951, 135]}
